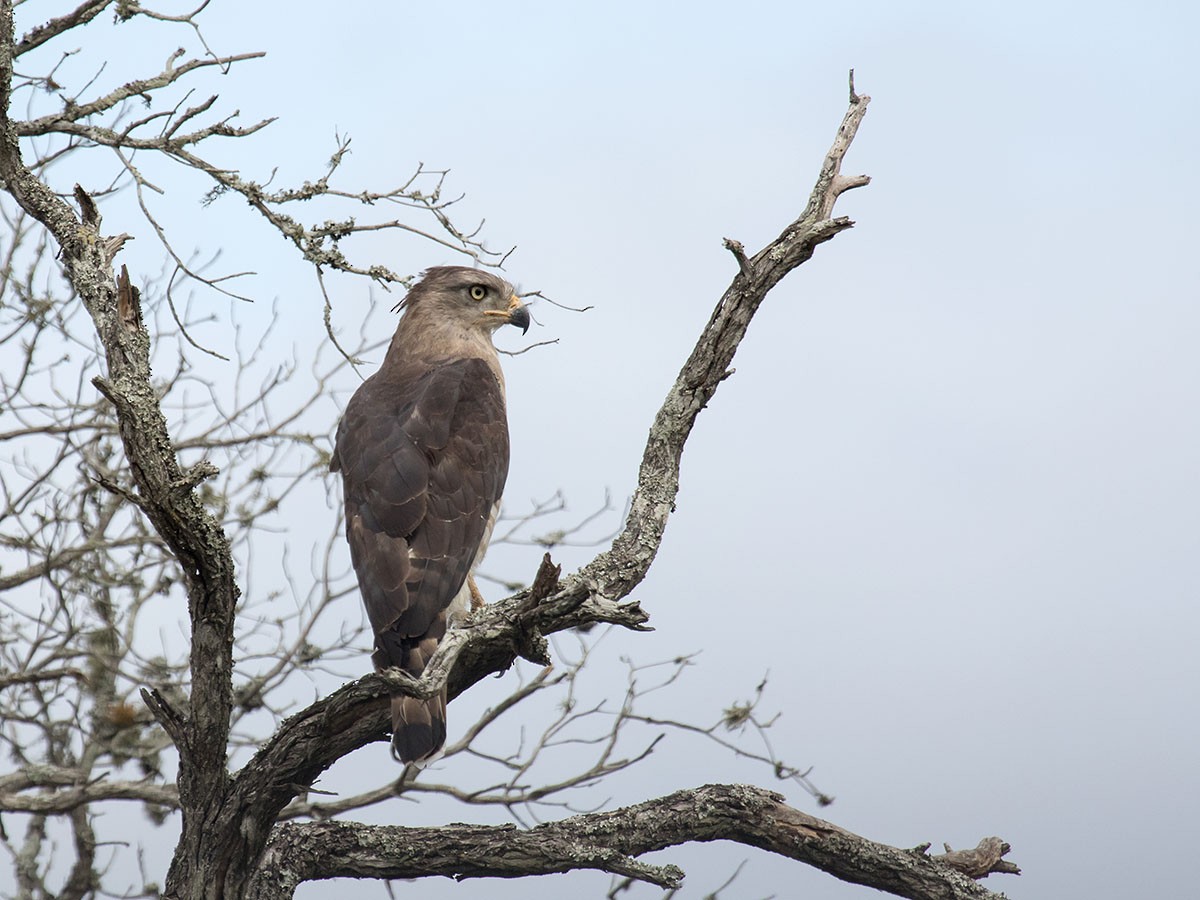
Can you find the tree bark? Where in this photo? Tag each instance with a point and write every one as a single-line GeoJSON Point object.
{"type": "Point", "coordinates": [608, 842]}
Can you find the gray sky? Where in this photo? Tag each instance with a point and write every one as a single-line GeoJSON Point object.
{"type": "Point", "coordinates": [950, 499]}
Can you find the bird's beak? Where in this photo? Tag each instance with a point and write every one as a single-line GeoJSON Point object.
{"type": "Point", "coordinates": [517, 314]}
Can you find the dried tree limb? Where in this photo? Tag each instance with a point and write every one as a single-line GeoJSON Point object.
{"type": "Point", "coordinates": [983, 860]}
{"type": "Point", "coordinates": [608, 841]}
{"type": "Point", "coordinates": [170, 74]}
{"type": "Point", "coordinates": [307, 852]}
{"type": "Point", "coordinates": [83, 13]}
{"type": "Point", "coordinates": [616, 572]}
{"type": "Point", "coordinates": [79, 882]}
{"type": "Point", "coordinates": [69, 794]}
{"type": "Point", "coordinates": [8, 679]}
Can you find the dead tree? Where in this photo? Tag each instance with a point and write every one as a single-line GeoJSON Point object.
{"type": "Point", "coordinates": [150, 516]}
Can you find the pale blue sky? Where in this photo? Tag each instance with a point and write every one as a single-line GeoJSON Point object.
{"type": "Point", "coordinates": [950, 499]}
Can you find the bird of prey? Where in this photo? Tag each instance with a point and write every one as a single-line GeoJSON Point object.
{"type": "Point", "coordinates": [423, 452]}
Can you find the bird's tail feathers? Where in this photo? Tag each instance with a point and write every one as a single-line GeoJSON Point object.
{"type": "Point", "coordinates": [418, 728]}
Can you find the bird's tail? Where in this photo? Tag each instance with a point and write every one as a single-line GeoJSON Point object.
{"type": "Point", "coordinates": [418, 727]}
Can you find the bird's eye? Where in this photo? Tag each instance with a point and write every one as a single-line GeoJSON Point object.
{"type": "Point", "coordinates": [478, 292]}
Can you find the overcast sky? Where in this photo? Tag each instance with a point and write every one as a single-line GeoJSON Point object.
{"type": "Point", "coordinates": [950, 498]}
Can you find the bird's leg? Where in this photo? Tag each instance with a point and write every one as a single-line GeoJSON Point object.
{"type": "Point", "coordinates": [477, 601]}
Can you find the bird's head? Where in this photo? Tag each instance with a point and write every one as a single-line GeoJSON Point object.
{"type": "Point", "coordinates": [472, 297]}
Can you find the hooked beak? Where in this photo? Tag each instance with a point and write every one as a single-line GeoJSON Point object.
{"type": "Point", "coordinates": [517, 314]}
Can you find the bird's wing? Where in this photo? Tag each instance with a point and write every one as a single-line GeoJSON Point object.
{"type": "Point", "coordinates": [424, 457]}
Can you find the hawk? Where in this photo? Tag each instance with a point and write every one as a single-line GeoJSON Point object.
{"type": "Point", "coordinates": [423, 453]}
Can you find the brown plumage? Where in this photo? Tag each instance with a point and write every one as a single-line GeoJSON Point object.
{"type": "Point", "coordinates": [423, 452]}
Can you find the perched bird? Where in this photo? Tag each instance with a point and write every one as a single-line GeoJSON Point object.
{"type": "Point", "coordinates": [423, 452]}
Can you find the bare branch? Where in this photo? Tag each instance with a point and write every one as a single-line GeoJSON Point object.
{"type": "Point", "coordinates": [984, 859]}
{"type": "Point", "coordinates": [608, 841]}
{"type": "Point", "coordinates": [739, 253]}
{"type": "Point", "coordinates": [67, 790]}
{"type": "Point", "coordinates": [61, 121]}
{"type": "Point", "coordinates": [11, 678]}
{"type": "Point", "coordinates": [85, 12]}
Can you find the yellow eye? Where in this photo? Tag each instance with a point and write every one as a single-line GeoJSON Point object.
{"type": "Point", "coordinates": [478, 292]}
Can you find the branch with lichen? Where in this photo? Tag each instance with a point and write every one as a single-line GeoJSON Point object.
{"type": "Point", "coordinates": [610, 842]}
